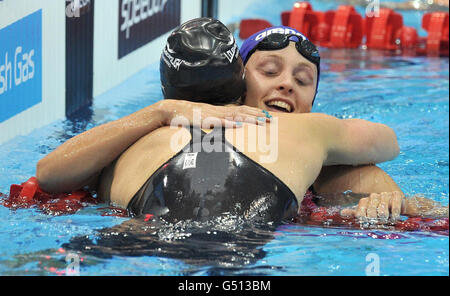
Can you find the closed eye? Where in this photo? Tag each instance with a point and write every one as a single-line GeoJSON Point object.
{"type": "Point", "coordinates": [270, 67]}
{"type": "Point", "coordinates": [303, 80]}
{"type": "Point", "coordinates": [270, 73]}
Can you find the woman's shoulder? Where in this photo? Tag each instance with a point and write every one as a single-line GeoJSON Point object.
{"type": "Point", "coordinates": [305, 119]}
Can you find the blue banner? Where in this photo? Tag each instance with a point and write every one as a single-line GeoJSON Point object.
{"type": "Point", "coordinates": [20, 65]}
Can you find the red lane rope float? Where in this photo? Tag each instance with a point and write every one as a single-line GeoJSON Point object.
{"type": "Point", "coordinates": [347, 28]}
{"type": "Point", "coordinates": [437, 26]}
{"type": "Point", "coordinates": [248, 27]}
{"type": "Point", "coordinates": [312, 214]}
{"type": "Point", "coordinates": [383, 31]}
{"type": "Point", "coordinates": [29, 194]}
{"type": "Point", "coordinates": [303, 17]}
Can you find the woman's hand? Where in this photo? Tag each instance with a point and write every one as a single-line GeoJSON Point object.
{"type": "Point", "coordinates": [378, 206]}
{"type": "Point", "coordinates": [178, 112]}
{"type": "Point", "coordinates": [417, 206]}
{"type": "Point", "coordinates": [390, 205]}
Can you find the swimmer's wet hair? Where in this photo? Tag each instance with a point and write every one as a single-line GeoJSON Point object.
{"type": "Point", "coordinates": [201, 63]}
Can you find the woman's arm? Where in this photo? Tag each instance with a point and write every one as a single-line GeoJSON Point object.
{"type": "Point", "coordinates": [76, 163]}
{"type": "Point", "coordinates": [357, 179]}
{"type": "Point", "coordinates": [354, 141]}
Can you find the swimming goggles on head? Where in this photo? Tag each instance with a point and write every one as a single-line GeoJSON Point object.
{"type": "Point", "coordinates": [277, 41]}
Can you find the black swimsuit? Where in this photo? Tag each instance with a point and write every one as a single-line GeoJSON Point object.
{"type": "Point", "coordinates": [199, 184]}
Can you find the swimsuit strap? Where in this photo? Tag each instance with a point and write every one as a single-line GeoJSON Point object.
{"type": "Point", "coordinates": [198, 138]}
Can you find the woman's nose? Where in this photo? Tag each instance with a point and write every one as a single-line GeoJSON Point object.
{"type": "Point", "coordinates": [283, 88]}
{"type": "Point", "coordinates": [285, 85]}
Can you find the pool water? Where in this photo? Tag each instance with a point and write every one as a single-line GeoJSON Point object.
{"type": "Point", "coordinates": [410, 94]}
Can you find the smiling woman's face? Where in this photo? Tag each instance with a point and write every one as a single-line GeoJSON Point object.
{"type": "Point", "coordinates": [280, 80]}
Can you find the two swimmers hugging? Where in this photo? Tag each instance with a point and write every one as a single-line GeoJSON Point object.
{"type": "Point", "coordinates": [133, 163]}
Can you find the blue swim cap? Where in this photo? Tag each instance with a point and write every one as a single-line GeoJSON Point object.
{"type": "Point", "coordinates": [275, 38]}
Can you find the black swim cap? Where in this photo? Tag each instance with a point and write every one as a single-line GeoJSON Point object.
{"type": "Point", "coordinates": [201, 63]}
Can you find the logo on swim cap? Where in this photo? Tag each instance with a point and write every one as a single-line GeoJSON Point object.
{"type": "Point", "coordinates": [284, 31]}
{"type": "Point", "coordinates": [171, 61]}
{"type": "Point", "coordinates": [231, 53]}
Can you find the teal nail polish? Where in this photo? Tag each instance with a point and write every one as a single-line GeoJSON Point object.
{"type": "Point", "coordinates": [267, 114]}
{"type": "Point", "coordinates": [238, 123]}
{"type": "Point", "coordinates": [261, 119]}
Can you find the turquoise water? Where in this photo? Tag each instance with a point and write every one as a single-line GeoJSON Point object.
{"type": "Point", "coordinates": [410, 94]}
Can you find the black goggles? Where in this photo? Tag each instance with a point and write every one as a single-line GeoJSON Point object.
{"type": "Point", "coordinates": [277, 41]}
